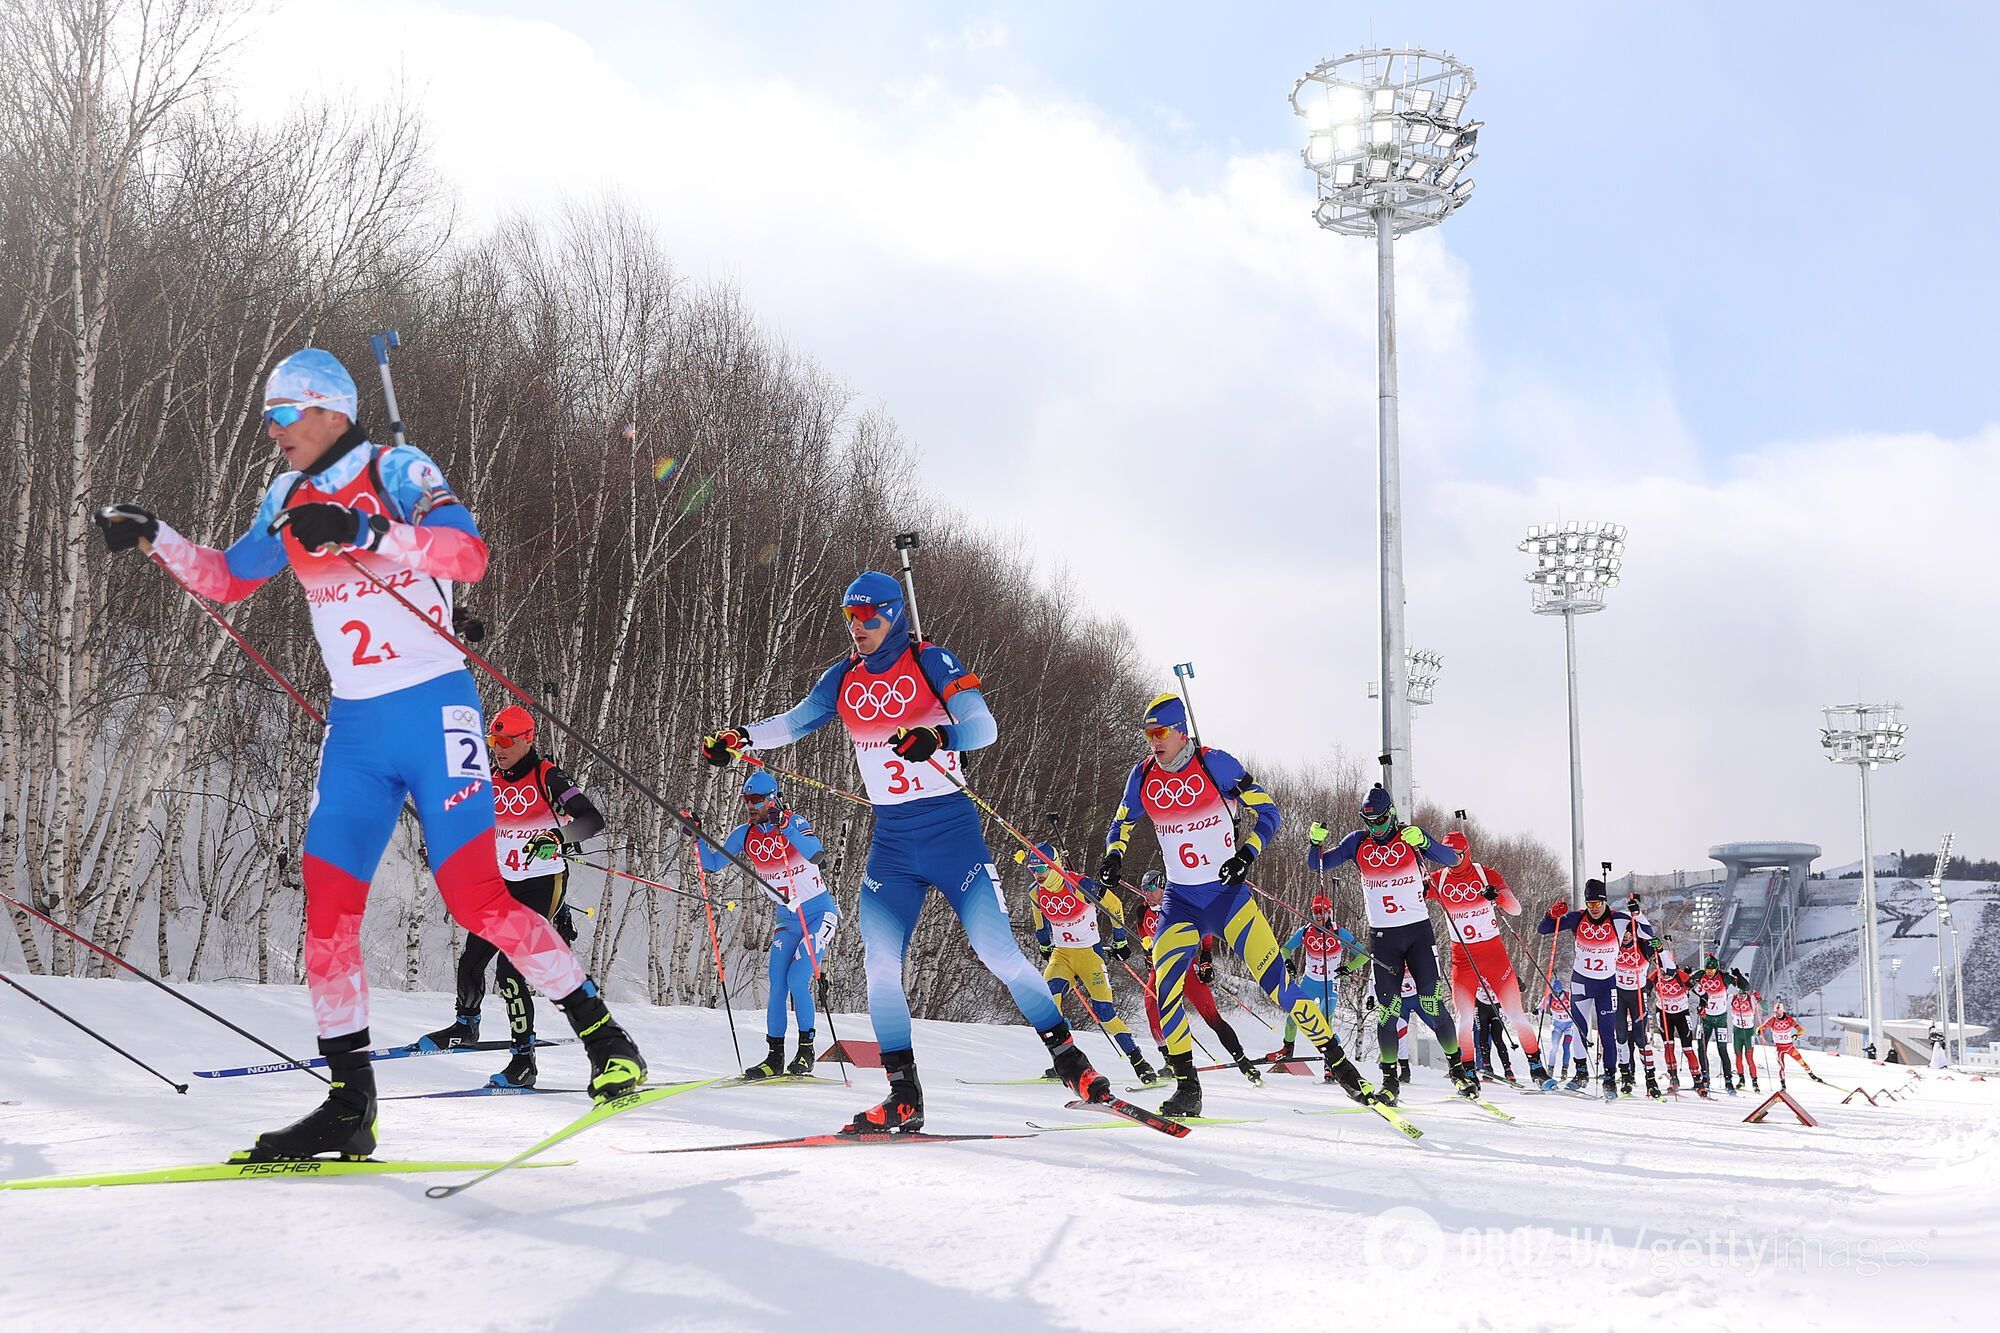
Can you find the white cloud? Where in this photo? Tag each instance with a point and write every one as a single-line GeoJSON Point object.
{"type": "Point", "coordinates": [1171, 391]}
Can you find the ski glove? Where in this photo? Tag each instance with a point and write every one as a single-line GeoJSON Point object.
{"type": "Point", "coordinates": [1237, 868]}
{"type": "Point", "coordinates": [125, 526]}
{"type": "Point", "coordinates": [565, 924]}
{"type": "Point", "coordinates": [320, 525]}
{"type": "Point", "coordinates": [544, 846]}
{"type": "Point", "coordinates": [1558, 909]}
{"type": "Point", "coordinates": [1318, 833]}
{"type": "Point", "coordinates": [1490, 894]}
{"type": "Point", "coordinates": [1109, 868]}
{"type": "Point", "coordinates": [725, 745]}
{"type": "Point", "coordinates": [1416, 837]}
{"type": "Point", "coordinates": [1047, 950]}
{"type": "Point", "coordinates": [1122, 949]}
{"type": "Point", "coordinates": [917, 744]}
{"type": "Point", "coordinates": [1204, 969]}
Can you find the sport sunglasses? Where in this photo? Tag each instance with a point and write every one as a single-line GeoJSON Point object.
{"type": "Point", "coordinates": [285, 415]}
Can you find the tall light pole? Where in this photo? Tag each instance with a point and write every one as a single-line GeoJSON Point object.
{"type": "Point", "coordinates": [1944, 923]}
{"type": "Point", "coordinates": [1389, 148]}
{"type": "Point", "coordinates": [1575, 564]}
{"type": "Point", "coordinates": [1895, 989]}
{"type": "Point", "coordinates": [1867, 736]}
{"type": "Point", "coordinates": [1424, 667]}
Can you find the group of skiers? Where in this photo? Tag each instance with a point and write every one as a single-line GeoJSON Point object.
{"type": "Point", "coordinates": [378, 539]}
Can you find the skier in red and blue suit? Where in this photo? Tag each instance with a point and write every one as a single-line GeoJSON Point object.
{"type": "Point", "coordinates": [1599, 933]}
{"type": "Point", "coordinates": [911, 708]}
{"type": "Point", "coordinates": [782, 845]}
{"type": "Point", "coordinates": [404, 720]}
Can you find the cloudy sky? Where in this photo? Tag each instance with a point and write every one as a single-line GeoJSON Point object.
{"type": "Point", "coordinates": [1727, 280]}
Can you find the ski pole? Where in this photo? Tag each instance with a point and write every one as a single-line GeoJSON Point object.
{"type": "Point", "coordinates": [1244, 1005]}
{"type": "Point", "coordinates": [728, 904]}
{"type": "Point", "coordinates": [1071, 877]}
{"type": "Point", "coordinates": [596, 751]}
{"type": "Point", "coordinates": [826, 787]}
{"type": "Point", "coordinates": [148, 976]}
{"type": "Point", "coordinates": [177, 1087]}
{"type": "Point", "coordinates": [715, 943]}
{"type": "Point", "coordinates": [235, 634]}
{"type": "Point", "coordinates": [1183, 673]}
{"type": "Point", "coordinates": [825, 991]}
{"type": "Point", "coordinates": [906, 542]}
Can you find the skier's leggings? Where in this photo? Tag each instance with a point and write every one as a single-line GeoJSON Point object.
{"type": "Point", "coordinates": [424, 742]}
{"type": "Point", "coordinates": [1676, 1027]}
{"type": "Point", "coordinates": [937, 842]}
{"type": "Point", "coordinates": [1745, 1042]}
{"type": "Point", "coordinates": [1564, 1038]}
{"type": "Point", "coordinates": [1202, 1000]}
{"type": "Point", "coordinates": [1632, 1026]}
{"type": "Point", "coordinates": [1321, 989]}
{"type": "Point", "coordinates": [541, 895]}
{"type": "Point", "coordinates": [1187, 913]}
{"type": "Point", "coordinates": [1412, 945]}
{"type": "Point", "coordinates": [1717, 1032]}
{"type": "Point", "coordinates": [1487, 961]}
{"type": "Point", "coordinates": [1083, 970]}
{"type": "Point", "coordinates": [1593, 1003]}
{"type": "Point", "coordinates": [791, 961]}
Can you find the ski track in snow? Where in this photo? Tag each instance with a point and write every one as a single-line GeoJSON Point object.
{"type": "Point", "coordinates": [1574, 1216]}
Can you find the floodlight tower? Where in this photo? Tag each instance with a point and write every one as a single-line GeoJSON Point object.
{"type": "Point", "coordinates": [1867, 736]}
{"type": "Point", "coordinates": [1425, 668]}
{"type": "Point", "coordinates": [1389, 148]}
{"type": "Point", "coordinates": [1575, 564]}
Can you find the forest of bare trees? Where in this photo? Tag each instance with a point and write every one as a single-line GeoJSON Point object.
{"type": "Point", "coordinates": [158, 252]}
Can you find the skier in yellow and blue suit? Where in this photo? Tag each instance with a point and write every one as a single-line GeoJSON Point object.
{"type": "Point", "coordinates": [1064, 906]}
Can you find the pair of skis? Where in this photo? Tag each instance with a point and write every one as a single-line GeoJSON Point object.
{"type": "Point", "coordinates": [379, 1053]}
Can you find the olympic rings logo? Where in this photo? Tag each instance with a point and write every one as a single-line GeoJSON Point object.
{"type": "Point", "coordinates": [770, 848]}
{"type": "Point", "coordinates": [1322, 946]}
{"type": "Point", "coordinates": [514, 800]}
{"type": "Point", "coordinates": [1062, 906]}
{"type": "Point", "coordinates": [1172, 793]}
{"type": "Point", "coordinates": [880, 698]}
{"type": "Point", "coordinates": [1376, 856]}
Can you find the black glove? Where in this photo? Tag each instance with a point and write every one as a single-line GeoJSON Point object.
{"type": "Point", "coordinates": [725, 745]}
{"type": "Point", "coordinates": [321, 524]}
{"type": "Point", "coordinates": [565, 922]}
{"type": "Point", "coordinates": [916, 744]}
{"type": "Point", "coordinates": [1491, 894]}
{"type": "Point", "coordinates": [693, 819]}
{"type": "Point", "coordinates": [1122, 949]}
{"type": "Point", "coordinates": [1237, 868]}
{"type": "Point", "coordinates": [1204, 969]}
{"type": "Point", "coordinates": [1291, 968]}
{"type": "Point", "coordinates": [125, 526]}
{"type": "Point", "coordinates": [1108, 869]}
{"type": "Point", "coordinates": [545, 845]}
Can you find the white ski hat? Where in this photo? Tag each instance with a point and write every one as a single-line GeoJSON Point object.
{"type": "Point", "coordinates": [314, 378]}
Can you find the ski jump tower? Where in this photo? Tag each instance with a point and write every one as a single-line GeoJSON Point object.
{"type": "Point", "coordinates": [1763, 913]}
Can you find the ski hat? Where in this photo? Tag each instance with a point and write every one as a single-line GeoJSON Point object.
{"type": "Point", "coordinates": [512, 723]}
{"type": "Point", "coordinates": [880, 591]}
{"type": "Point", "coordinates": [1322, 905]}
{"type": "Point", "coordinates": [1377, 808]}
{"type": "Point", "coordinates": [761, 785]}
{"type": "Point", "coordinates": [1166, 710]}
{"type": "Point", "coordinates": [1593, 891]}
{"type": "Point", "coordinates": [1709, 962]}
{"type": "Point", "coordinates": [1668, 961]}
{"type": "Point", "coordinates": [313, 378]}
{"type": "Point", "coordinates": [1456, 841]}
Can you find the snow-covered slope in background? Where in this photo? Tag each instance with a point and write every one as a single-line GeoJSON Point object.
{"type": "Point", "coordinates": [1826, 976]}
{"type": "Point", "coordinates": [1576, 1215]}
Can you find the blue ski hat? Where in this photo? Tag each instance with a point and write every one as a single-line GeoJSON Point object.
{"type": "Point", "coordinates": [878, 590]}
{"type": "Point", "coordinates": [1376, 807]}
{"type": "Point", "coordinates": [1166, 710]}
{"type": "Point", "coordinates": [760, 783]}
{"type": "Point", "coordinates": [314, 378]}
{"type": "Point", "coordinates": [1593, 891]}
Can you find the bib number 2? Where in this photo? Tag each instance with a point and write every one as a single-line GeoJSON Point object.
{"type": "Point", "coordinates": [464, 743]}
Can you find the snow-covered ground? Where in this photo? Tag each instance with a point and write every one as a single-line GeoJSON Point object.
{"type": "Point", "coordinates": [1577, 1215]}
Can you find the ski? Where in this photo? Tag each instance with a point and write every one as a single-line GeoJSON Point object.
{"type": "Point", "coordinates": [1388, 1113]}
{"type": "Point", "coordinates": [740, 1082]}
{"type": "Point", "coordinates": [1137, 1114]}
{"type": "Point", "coordinates": [834, 1141]}
{"type": "Point", "coordinates": [484, 1090]}
{"type": "Point", "coordinates": [1182, 1122]}
{"type": "Point", "coordinates": [1004, 1082]}
{"type": "Point", "coordinates": [596, 1115]}
{"type": "Point", "coordinates": [1485, 1106]}
{"type": "Point", "coordinates": [310, 1167]}
{"type": "Point", "coordinates": [379, 1053]}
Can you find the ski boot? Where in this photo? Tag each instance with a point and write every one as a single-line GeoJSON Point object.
{"type": "Point", "coordinates": [774, 1061]}
{"type": "Point", "coordinates": [616, 1067]}
{"type": "Point", "coordinates": [1186, 1098]}
{"type": "Point", "coordinates": [1341, 1070]}
{"type": "Point", "coordinates": [1701, 1087]}
{"type": "Point", "coordinates": [1248, 1068]}
{"type": "Point", "coordinates": [1403, 1067]}
{"type": "Point", "coordinates": [1507, 1075]}
{"type": "Point", "coordinates": [1625, 1080]}
{"type": "Point", "coordinates": [802, 1063]}
{"type": "Point", "coordinates": [1387, 1090]}
{"type": "Point", "coordinates": [1073, 1067]}
{"type": "Point", "coordinates": [1610, 1088]}
{"type": "Point", "coordinates": [1279, 1056]}
{"type": "Point", "coordinates": [1538, 1074]}
{"type": "Point", "coordinates": [343, 1125]}
{"type": "Point", "coordinates": [1463, 1080]}
{"type": "Point", "coordinates": [902, 1111]}
{"type": "Point", "coordinates": [1814, 1077]}
{"type": "Point", "coordinates": [520, 1071]}
{"type": "Point", "coordinates": [1652, 1085]}
{"type": "Point", "coordinates": [1147, 1074]}
{"type": "Point", "coordinates": [1753, 1084]}
{"type": "Point", "coordinates": [1579, 1080]}
{"type": "Point", "coordinates": [464, 1031]}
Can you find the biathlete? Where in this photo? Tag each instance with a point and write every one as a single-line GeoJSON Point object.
{"type": "Point", "coordinates": [1632, 972]}
{"type": "Point", "coordinates": [1194, 985]}
{"type": "Point", "coordinates": [1597, 930]}
{"type": "Point", "coordinates": [404, 720]}
{"type": "Point", "coordinates": [1673, 989]}
{"type": "Point", "coordinates": [1564, 1035]}
{"type": "Point", "coordinates": [1390, 856]}
{"type": "Point", "coordinates": [1785, 1033]}
{"type": "Point", "coordinates": [1192, 795]}
{"type": "Point", "coordinates": [1711, 991]}
{"type": "Point", "coordinates": [1064, 910]}
{"type": "Point", "coordinates": [1318, 954]}
{"type": "Point", "coordinates": [1472, 896]}
{"type": "Point", "coordinates": [781, 844]}
{"type": "Point", "coordinates": [911, 709]}
{"type": "Point", "coordinates": [1745, 1006]}
{"type": "Point", "coordinates": [538, 814]}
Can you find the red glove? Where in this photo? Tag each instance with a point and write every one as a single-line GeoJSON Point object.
{"type": "Point", "coordinates": [1558, 909]}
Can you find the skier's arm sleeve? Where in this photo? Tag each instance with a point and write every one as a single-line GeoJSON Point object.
{"type": "Point", "coordinates": [1340, 854]}
{"type": "Point", "coordinates": [800, 830]}
{"type": "Point", "coordinates": [1234, 781]}
{"type": "Point", "coordinates": [437, 535]}
{"type": "Point", "coordinates": [713, 860]}
{"type": "Point", "coordinates": [1114, 907]}
{"type": "Point", "coordinates": [1295, 939]}
{"type": "Point", "coordinates": [1548, 925]}
{"type": "Point", "coordinates": [1119, 836]}
{"type": "Point", "coordinates": [1507, 902]}
{"type": "Point", "coordinates": [585, 820]}
{"type": "Point", "coordinates": [1044, 935]}
{"type": "Point", "coordinates": [1437, 852]}
{"type": "Point", "coordinates": [972, 724]}
{"type": "Point", "coordinates": [231, 575]}
{"type": "Point", "coordinates": [807, 716]}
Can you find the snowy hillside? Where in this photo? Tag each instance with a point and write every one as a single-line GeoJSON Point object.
{"type": "Point", "coordinates": [1826, 977]}
{"type": "Point", "coordinates": [1573, 1210]}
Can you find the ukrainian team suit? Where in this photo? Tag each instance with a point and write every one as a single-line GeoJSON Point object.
{"type": "Point", "coordinates": [1065, 920]}
{"type": "Point", "coordinates": [1478, 952]}
{"type": "Point", "coordinates": [404, 719]}
{"type": "Point", "coordinates": [785, 852]}
{"type": "Point", "coordinates": [1400, 934]}
{"type": "Point", "coordinates": [1193, 989]}
{"type": "Point", "coordinates": [927, 832]}
{"type": "Point", "coordinates": [1193, 803]}
{"type": "Point", "coordinates": [1592, 981]}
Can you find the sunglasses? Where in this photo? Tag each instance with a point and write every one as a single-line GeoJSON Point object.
{"type": "Point", "coordinates": [751, 798]}
{"type": "Point", "coordinates": [1158, 733]}
{"type": "Point", "coordinates": [502, 738]}
{"type": "Point", "coordinates": [862, 614]}
{"type": "Point", "coordinates": [284, 416]}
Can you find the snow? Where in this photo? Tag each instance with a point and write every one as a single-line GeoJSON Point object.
{"type": "Point", "coordinates": [1827, 967]}
{"type": "Point", "coordinates": [1574, 1214]}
